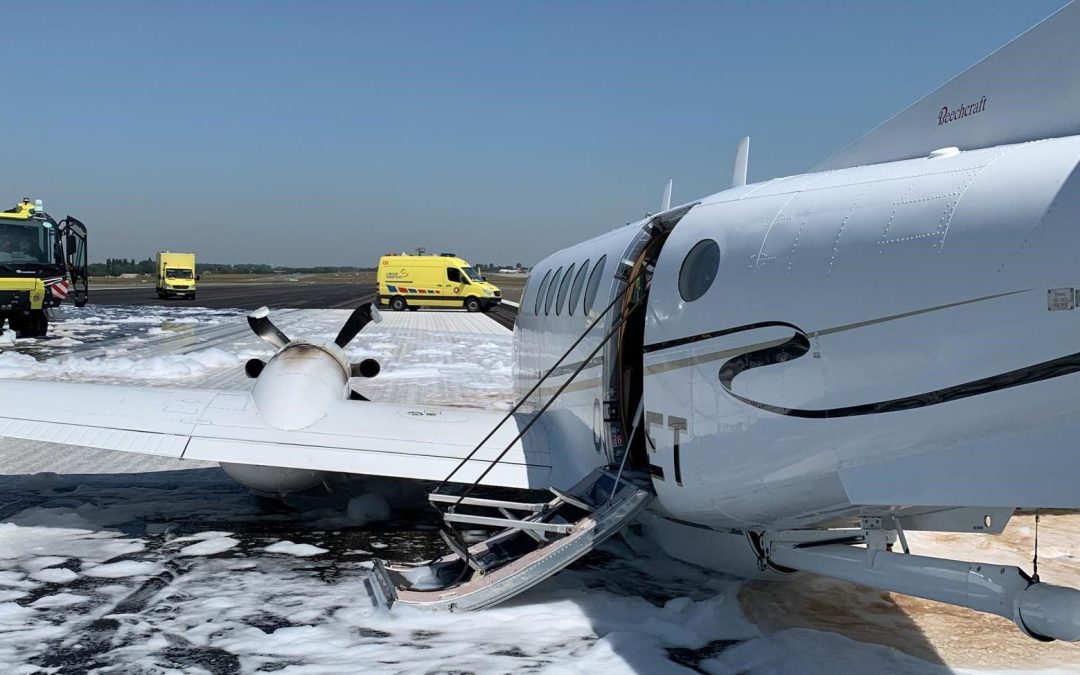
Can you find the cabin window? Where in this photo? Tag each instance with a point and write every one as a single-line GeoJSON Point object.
{"type": "Point", "coordinates": [453, 274]}
{"type": "Point", "coordinates": [579, 283]}
{"type": "Point", "coordinates": [551, 291]}
{"type": "Point", "coordinates": [594, 283]}
{"type": "Point", "coordinates": [540, 292]}
{"type": "Point", "coordinates": [563, 289]}
{"type": "Point", "coordinates": [699, 270]}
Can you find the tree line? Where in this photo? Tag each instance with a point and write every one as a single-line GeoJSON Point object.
{"type": "Point", "coordinates": [113, 267]}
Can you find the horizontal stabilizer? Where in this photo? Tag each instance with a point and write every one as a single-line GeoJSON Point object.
{"type": "Point", "coordinates": [1027, 90]}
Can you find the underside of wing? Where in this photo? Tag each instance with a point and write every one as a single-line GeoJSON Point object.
{"type": "Point", "coordinates": [358, 437]}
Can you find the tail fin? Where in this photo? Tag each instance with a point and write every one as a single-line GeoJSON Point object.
{"type": "Point", "coordinates": [1027, 90]}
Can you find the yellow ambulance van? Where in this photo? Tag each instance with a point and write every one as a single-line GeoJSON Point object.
{"type": "Point", "coordinates": [444, 280]}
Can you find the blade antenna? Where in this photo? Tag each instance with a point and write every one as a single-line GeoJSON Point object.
{"type": "Point", "coordinates": [742, 161]}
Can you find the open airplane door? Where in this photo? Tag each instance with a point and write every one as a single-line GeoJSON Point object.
{"type": "Point", "coordinates": [73, 241]}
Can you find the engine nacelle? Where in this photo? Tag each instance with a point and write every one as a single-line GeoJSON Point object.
{"type": "Point", "coordinates": [300, 383]}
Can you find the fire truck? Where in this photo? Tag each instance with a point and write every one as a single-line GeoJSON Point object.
{"type": "Point", "coordinates": [42, 264]}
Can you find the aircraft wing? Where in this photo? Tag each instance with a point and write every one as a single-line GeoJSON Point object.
{"type": "Point", "coordinates": [360, 437]}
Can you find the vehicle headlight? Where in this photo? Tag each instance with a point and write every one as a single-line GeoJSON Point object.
{"type": "Point", "coordinates": [488, 292]}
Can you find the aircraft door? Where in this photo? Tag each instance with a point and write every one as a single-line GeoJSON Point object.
{"type": "Point", "coordinates": [624, 372]}
{"type": "Point", "coordinates": [73, 244]}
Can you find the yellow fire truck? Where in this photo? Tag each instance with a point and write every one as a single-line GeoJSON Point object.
{"type": "Point", "coordinates": [42, 263]}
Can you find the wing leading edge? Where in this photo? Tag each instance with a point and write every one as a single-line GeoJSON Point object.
{"type": "Point", "coordinates": [359, 437]}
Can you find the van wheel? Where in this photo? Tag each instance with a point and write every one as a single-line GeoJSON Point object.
{"type": "Point", "coordinates": [472, 304]}
{"type": "Point", "coordinates": [398, 304]}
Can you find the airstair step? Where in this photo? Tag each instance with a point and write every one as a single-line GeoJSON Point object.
{"type": "Point", "coordinates": [491, 503]}
{"type": "Point", "coordinates": [571, 499]}
{"type": "Point", "coordinates": [519, 555]}
{"type": "Point", "coordinates": [535, 526]}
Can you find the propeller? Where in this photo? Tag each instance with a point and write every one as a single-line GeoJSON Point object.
{"type": "Point", "coordinates": [361, 316]}
{"type": "Point", "coordinates": [260, 323]}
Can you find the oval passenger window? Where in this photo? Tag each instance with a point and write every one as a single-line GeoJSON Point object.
{"type": "Point", "coordinates": [579, 283]}
{"type": "Point", "coordinates": [594, 283]}
{"type": "Point", "coordinates": [540, 292]}
{"type": "Point", "coordinates": [563, 289]}
{"type": "Point", "coordinates": [551, 291]}
{"type": "Point", "coordinates": [699, 270]}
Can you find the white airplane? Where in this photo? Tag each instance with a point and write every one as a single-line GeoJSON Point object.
{"type": "Point", "coordinates": [784, 376]}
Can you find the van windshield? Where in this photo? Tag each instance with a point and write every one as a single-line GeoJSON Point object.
{"type": "Point", "coordinates": [473, 274]}
{"type": "Point", "coordinates": [175, 273]}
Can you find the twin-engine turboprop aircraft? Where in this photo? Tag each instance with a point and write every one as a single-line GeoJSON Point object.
{"type": "Point", "coordinates": [784, 376]}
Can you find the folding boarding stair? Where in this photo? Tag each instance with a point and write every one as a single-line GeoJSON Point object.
{"type": "Point", "coordinates": [533, 541]}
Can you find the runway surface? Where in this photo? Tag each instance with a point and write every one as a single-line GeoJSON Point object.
{"type": "Point", "coordinates": [139, 564]}
{"type": "Point", "coordinates": [295, 295]}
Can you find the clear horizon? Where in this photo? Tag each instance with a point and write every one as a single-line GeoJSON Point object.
{"type": "Point", "coordinates": [301, 134]}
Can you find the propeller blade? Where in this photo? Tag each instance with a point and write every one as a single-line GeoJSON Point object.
{"type": "Point", "coordinates": [260, 323]}
{"type": "Point", "coordinates": [360, 317]}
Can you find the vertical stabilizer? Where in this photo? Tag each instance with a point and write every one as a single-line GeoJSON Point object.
{"type": "Point", "coordinates": [665, 201]}
{"type": "Point", "coordinates": [1027, 90]}
{"type": "Point", "coordinates": [742, 161]}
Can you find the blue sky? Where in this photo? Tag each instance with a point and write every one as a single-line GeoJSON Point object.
{"type": "Point", "coordinates": [304, 133]}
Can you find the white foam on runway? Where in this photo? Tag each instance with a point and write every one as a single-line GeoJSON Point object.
{"type": "Point", "coordinates": [183, 572]}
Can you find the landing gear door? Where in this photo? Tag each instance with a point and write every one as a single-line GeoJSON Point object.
{"type": "Point", "coordinates": [73, 240]}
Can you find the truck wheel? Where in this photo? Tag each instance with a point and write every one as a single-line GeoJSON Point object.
{"type": "Point", "coordinates": [398, 304]}
{"type": "Point", "coordinates": [472, 304]}
{"type": "Point", "coordinates": [34, 325]}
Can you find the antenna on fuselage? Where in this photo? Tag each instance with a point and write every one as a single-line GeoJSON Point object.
{"type": "Point", "coordinates": [742, 161]}
{"type": "Point", "coordinates": [665, 201]}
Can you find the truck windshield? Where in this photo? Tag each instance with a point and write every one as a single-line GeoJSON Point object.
{"type": "Point", "coordinates": [473, 274]}
{"type": "Point", "coordinates": [175, 273]}
{"type": "Point", "coordinates": [25, 242]}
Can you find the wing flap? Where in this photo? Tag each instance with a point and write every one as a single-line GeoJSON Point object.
{"type": "Point", "coordinates": [366, 462]}
{"type": "Point", "coordinates": [142, 442]}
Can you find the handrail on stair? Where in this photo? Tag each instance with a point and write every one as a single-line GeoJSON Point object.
{"type": "Point", "coordinates": [517, 406]}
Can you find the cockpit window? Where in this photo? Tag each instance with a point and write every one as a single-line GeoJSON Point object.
{"type": "Point", "coordinates": [551, 291]}
{"type": "Point", "coordinates": [579, 283]}
{"type": "Point", "coordinates": [594, 283]}
{"type": "Point", "coordinates": [699, 270]}
{"type": "Point", "coordinates": [563, 289]}
{"type": "Point", "coordinates": [540, 292]}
